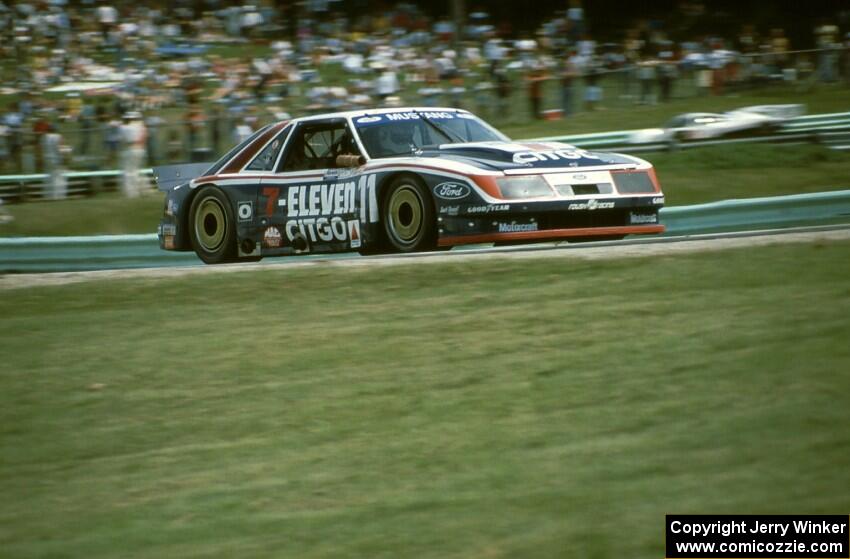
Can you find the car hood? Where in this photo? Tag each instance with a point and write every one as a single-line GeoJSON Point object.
{"type": "Point", "coordinates": [520, 155]}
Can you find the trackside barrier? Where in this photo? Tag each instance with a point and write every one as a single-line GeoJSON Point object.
{"type": "Point", "coordinates": [64, 254]}
{"type": "Point", "coordinates": [832, 129]}
{"type": "Point", "coordinates": [802, 128]}
{"type": "Point", "coordinates": [822, 208]}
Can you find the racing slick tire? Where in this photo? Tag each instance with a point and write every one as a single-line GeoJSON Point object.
{"type": "Point", "coordinates": [212, 228]}
{"type": "Point", "coordinates": [408, 216]}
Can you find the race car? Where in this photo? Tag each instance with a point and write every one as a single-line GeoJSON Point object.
{"type": "Point", "coordinates": [747, 121]}
{"type": "Point", "coordinates": [399, 180]}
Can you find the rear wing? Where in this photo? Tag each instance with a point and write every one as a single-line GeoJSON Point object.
{"type": "Point", "coordinates": [169, 176]}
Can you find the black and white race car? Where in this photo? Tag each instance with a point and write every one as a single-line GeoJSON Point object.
{"type": "Point", "coordinates": [744, 122]}
{"type": "Point", "coordinates": [399, 180]}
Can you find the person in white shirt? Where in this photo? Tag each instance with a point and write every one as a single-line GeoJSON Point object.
{"type": "Point", "coordinates": [51, 146]}
{"type": "Point", "coordinates": [133, 141]}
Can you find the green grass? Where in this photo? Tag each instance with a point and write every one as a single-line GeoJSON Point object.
{"type": "Point", "coordinates": [106, 214]}
{"type": "Point", "coordinates": [723, 172]}
{"type": "Point", "coordinates": [545, 408]}
{"type": "Point", "coordinates": [687, 177]}
{"type": "Point", "coordinates": [617, 115]}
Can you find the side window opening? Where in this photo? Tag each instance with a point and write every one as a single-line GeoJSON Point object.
{"type": "Point", "coordinates": [316, 146]}
{"type": "Point", "coordinates": [266, 159]}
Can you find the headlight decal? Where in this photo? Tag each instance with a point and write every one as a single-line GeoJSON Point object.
{"type": "Point", "coordinates": [633, 182]}
{"type": "Point", "coordinates": [533, 186]}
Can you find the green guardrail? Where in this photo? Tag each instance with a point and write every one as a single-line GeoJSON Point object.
{"type": "Point", "coordinates": [796, 125]}
{"type": "Point", "coordinates": [64, 254]}
{"type": "Point", "coordinates": [822, 208]}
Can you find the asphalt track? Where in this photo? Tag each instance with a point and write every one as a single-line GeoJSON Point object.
{"type": "Point", "coordinates": [629, 248]}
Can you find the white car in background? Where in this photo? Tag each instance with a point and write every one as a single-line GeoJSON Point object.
{"type": "Point", "coordinates": [747, 121]}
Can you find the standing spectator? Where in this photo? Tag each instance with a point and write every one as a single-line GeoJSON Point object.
{"type": "Point", "coordinates": [112, 140]}
{"type": "Point", "coordinates": [646, 76]}
{"type": "Point", "coordinates": [215, 125]}
{"type": "Point", "coordinates": [827, 34]}
{"type": "Point", "coordinates": [133, 136]}
{"type": "Point", "coordinates": [51, 148]}
{"type": "Point", "coordinates": [242, 131]}
{"type": "Point", "coordinates": [535, 91]}
{"type": "Point", "coordinates": [87, 123]}
{"type": "Point", "coordinates": [666, 76]}
{"type": "Point", "coordinates": [568, 76]}
{"type": "Point", "coordinates": [779, 47]}
{"type": "Point", "coordinates": [194, 125]}
{"type": "Point", "coordinates": [175, 145]}
{"type": "Point", "coordinates": [386, 84]}
{"type": "Point", "coordinates": [592, 89]}
{"type": "Point", "coordinates": [503, 90]}
{"type": "Point", "coordinates": [153, 123]}
{"type": "Point", "coordinates": [107, 17]}
{"type": "Point", "coordinates": [15, 137]}
{"type": "Point", "coordinates": [39, 128]}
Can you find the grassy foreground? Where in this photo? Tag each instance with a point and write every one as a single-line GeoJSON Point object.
{"type": "Point", "coordinates": [687, 177]}
{"type": "Point", "coordinates": [551, 408]}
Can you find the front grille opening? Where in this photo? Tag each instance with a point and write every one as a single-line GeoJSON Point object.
{"type": "Point", "coordinates": [581, 189]}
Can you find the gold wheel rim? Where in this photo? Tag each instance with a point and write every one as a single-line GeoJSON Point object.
{"type": "Point", "coordinates": [210, 224]}
{"type": "Point", "coordinates": [406, 214]}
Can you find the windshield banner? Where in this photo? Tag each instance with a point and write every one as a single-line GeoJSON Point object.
{"type": "Point", "coordinates": [383, 118]}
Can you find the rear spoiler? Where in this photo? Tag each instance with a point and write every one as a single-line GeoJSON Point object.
{"type": "Point", "coordinates": [169, 176]}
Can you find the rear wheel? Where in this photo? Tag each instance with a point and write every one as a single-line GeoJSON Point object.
{"type": "Point", "coordinates": [211, 226]}
{"type": "Point", "coordinates": [408, 216]}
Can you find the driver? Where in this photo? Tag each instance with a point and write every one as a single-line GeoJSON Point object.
{"type": "Point", "coordinates": [397, 137]}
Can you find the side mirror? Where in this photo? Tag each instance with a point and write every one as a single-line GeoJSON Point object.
{"type": "Point", "coordinates": [348, 160]}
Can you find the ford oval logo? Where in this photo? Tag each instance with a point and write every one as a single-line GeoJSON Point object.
{"type": "Point", "coordinates": [451, 191]}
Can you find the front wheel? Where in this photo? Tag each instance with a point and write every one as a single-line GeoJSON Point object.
{"type": "Point", "coordinates": [211, 226]}
{"type": "Point", "coordinates": [409, 217]}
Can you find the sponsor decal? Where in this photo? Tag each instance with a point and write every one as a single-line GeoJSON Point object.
{"type": "Point", "coordinates": [402, 116]}
{"type": "Point", "coordinates": [245, 211]}
{"type": "Point", "coordinates": [168, 242]}
{"type": "Point", "coordinates": [658, 200]}
{"type": "Point", "coordinates": [324, 229]}
{"type": "Point", "coordinates": [167, 229]}
{"type": "Point", "coordinates": [320, 199]}
{"type": "Point", "coordinates": [450, 210]}
{"type": "Point", "coordinates": [579, 177]}
{"type": "Point", "coordinates": [354, 233]}
{"type": "Point", "coordinates": [552, 155]}
{"type": "Point", "coordinates": [451, 191]}
{"type": "Point", "coordinates": [488, 209]}
{"type": "Point", "coordinates": [591, 205]}
{"type": "Point", "coordinates": [272, 237]}
{"type": "Point", "coordinates": [517, 227]}
{"type": "Point", "coordinates": [642, 218]}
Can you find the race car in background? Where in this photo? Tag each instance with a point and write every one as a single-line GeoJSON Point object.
{"type": "Point", "coordinates": [399, 180]}
{"type": "Point", "coordinates": [747, 121]}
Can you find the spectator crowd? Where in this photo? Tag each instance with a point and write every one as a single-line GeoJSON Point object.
{"type": "Point", "coordinates": [98, 85]}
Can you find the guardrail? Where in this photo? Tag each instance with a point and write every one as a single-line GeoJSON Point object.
{"type": "Point", "coordinates": [63, 254]}
{"type": "Point", "coordinates": [832, 129]}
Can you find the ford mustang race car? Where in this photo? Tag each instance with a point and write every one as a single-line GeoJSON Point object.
{"type": "Point", "coordinates": [399, 180]}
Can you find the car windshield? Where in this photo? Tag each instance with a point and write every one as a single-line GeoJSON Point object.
{"type": "Point", "coordinates": [402, 133]}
